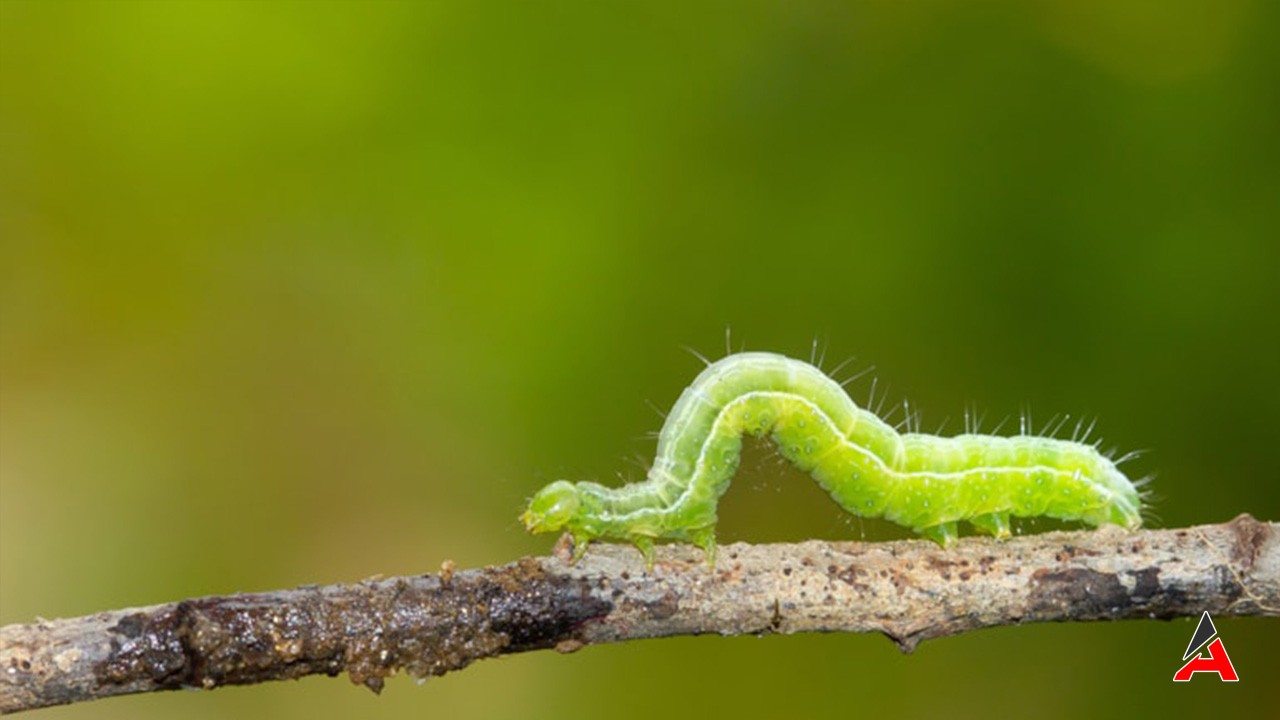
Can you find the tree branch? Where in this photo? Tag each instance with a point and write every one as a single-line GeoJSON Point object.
{"type": "Point", "coordinates": [431, 624]}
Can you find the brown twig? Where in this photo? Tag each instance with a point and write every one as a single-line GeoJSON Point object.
{"type": "Point", "coordinates": [432, 624]}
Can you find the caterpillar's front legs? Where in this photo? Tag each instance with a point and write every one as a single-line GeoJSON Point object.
{"type": "Point", "coordinates": [706, 539]}
{"type": "Point", "coordinates": [644, 544]}
{"type": "Point", "coordinates": [580, 543]}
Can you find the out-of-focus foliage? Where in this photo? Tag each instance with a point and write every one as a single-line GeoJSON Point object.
{"type": "Point", "coordinates": [302, 292]}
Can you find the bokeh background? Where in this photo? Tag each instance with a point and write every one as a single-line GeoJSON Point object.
{"type": "Point", "coordinates": [304, 292]}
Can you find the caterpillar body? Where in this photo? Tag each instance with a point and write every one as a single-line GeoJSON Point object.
{"type": "Point", "coordinates": [925, 482]}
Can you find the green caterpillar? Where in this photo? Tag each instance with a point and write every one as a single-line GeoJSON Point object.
{"type": "Point", "coordinates": [924, 482]}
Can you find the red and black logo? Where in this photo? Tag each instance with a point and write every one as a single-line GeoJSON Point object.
{"type": "Point", "coordinates": [1215, 662]}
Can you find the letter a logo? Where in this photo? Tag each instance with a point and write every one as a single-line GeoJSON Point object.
{"type": "Point", "coordinates": [1217, 660]}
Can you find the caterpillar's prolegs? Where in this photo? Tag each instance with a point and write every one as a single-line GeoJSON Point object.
{"type": "Point", "coordinates": [995, 524]}
{"type": "Point", "coordinates": [943, 533]}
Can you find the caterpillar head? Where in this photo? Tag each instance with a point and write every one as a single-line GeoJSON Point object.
{"type": "Point", "coordinates": [552, 507]}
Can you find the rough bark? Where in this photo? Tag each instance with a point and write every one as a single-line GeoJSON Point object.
{"type": "Point", "coordinates": [432, 624]}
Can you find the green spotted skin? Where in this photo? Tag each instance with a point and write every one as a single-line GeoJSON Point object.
{"type": "Point", "coordinates": [924, 482]}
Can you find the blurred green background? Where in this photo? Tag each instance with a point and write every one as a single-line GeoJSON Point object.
{"type": "Point", "coordinates": [306, 292]}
